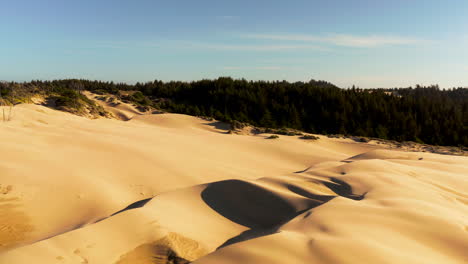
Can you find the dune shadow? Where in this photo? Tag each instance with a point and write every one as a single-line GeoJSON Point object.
{"type": "Point", "coordinates": [342, 188]}
{"type": "Point", "coordinates": [249, 234]}
{"type": "Point", "coordinates": [252, 206]}
{"type": "Point", "coordinates": [121, 116]}
{"type": "Point", "coordinates": [317, 198]}
{"type": "Point", "coordinates": [247, 204]}
{"type": "Point", "coordinates": [304, 170]}
{"type": "Point", "coordinates": [114, 104]}
{"type": "Point", "coordinates": [259, 232]}
{"type": "Point", "coordinates": [157, 112]}
{"type": "Point", "coordinates": [261, 210]}
{"type": "Point", "coordinates": [134, 205]}
{"type": "Point", "coordinates": [220, 126]}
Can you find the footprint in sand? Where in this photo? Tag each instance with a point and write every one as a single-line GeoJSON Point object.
{"type": "Point", "coordinates": [83, 259]}
{"type": "Point", "coordinates": [5, 189]}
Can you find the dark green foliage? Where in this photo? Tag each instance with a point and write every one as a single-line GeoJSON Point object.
{"type": "Point", "coordinates": [281, 131]}
{"type": "Point", "coordinates": [361, 139]}
{"type": "Point", "coordinates": [273, 137]}
{"type": "Point", "coordinates": [422, 114]}
{"type": "Point", "coordinates": [139, 99]}
{"type": "Point", "coordinates": [237, 125]}
{"type": "Point", "coordinates": [75, 102]}
{"type": "Point", "coordinates": [67, 98]}
{"type": "Point", "coordinates": [310, 137]}
{"type": "Point", "coordinates": [4, 91]}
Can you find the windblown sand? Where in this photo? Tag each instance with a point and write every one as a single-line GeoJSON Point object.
{"type": "Point", "coordinates": [170, 188]}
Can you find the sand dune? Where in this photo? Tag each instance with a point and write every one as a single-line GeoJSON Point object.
{"type": "Point", "coordinates": [410, 213]}
{"type": "Point", "coordinates": [113, 105]}
{"type": "Point", "coordinates": [170, 188]}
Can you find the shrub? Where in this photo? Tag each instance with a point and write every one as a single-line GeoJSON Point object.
{"type": "Point", "coordinates": [363, 140]}
{"type": "Point", "coordinates": [65, 102]}
{"type": "Point", "coordinates": [309, 137]}
{"type": "Point", "coordinates": [273, 137]}
{"type": "Point", "coordinates": [237, 125]}
{"type": "Point", "coordinates": [137, 98]}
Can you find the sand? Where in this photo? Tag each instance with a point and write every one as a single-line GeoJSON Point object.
{"type": "Point", "coordinates": [169, 188]}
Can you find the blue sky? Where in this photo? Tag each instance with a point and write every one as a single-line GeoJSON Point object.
{"type": "Point", "coordinates": [370, 43]}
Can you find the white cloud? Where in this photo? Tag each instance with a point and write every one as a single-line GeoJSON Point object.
{"type": "Point", "coordinates": [341, 39]}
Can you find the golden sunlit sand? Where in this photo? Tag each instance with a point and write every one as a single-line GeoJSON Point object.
{"type": "Point", "coordinates": [170, 188]}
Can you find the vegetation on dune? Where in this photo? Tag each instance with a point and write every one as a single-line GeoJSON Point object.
{"type": "Point", "coordinates": [141, 101]}
{"type": "Point", "coordinates": [422, 114]}
{"type": "Point", "coordinates": [66, 96]}
{"type": "Point", "coordinates": [310, 137]}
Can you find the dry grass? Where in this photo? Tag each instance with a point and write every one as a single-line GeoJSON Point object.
{"type": "Point", "coordinates": [7, 113]}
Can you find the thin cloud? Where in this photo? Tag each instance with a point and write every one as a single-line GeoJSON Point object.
{"type": "Point", "coordinates": [265, 68]}
{"type": "Point", "coordinates": [242, 47]}
{"type": "Point", "coordinates": [371, 41]}
{"type": "Point", "coordinates": [124, 44]}
{"type": "Point", "coordinates": [200, 45]}
{"type": "Point", "coordinates": [269, 68]}
{"type": "Point", "coordinates": [341, 40]}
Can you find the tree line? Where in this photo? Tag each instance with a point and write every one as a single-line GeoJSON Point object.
{"type": "Point", "coordinates": [423, 114]}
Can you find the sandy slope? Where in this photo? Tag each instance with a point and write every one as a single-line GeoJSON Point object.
{"type": "Point", "coordinates": [113, 105]}
{"type": "Point", "coordinates": [218, 198]}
